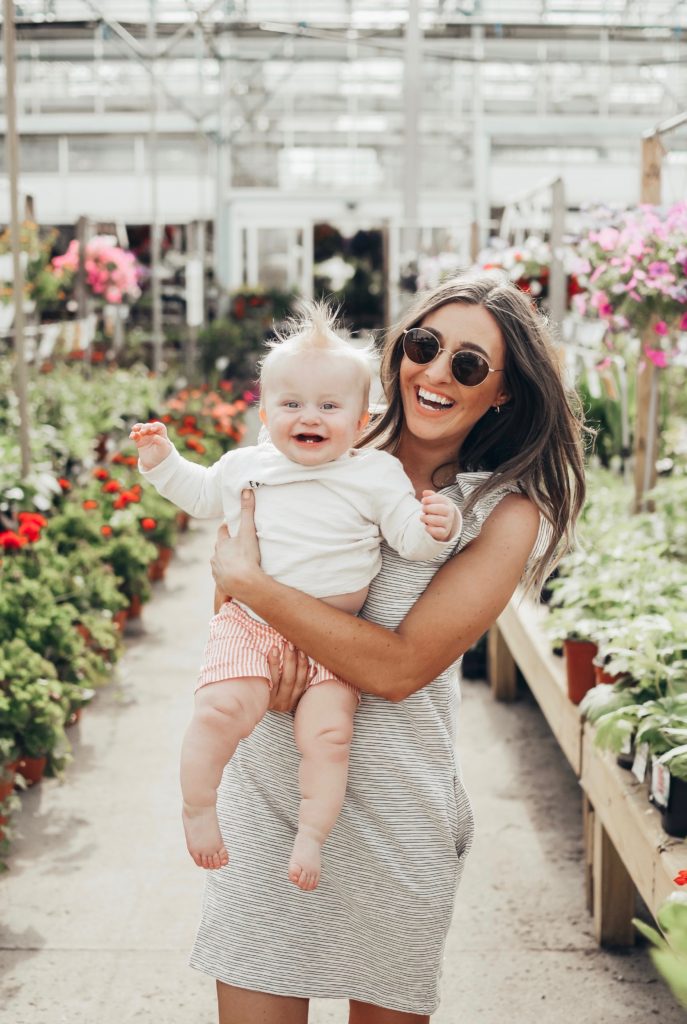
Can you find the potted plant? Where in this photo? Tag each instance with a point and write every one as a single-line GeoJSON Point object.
{"type": "Point", "coordinates": [31, 712]}
{"type": "Point", "coordinates": [669, 784]}
{"type": "Point", "coordinates": [669, 954]}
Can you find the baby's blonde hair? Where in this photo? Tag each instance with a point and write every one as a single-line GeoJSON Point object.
{"type": "Point", "coordinates": [314, 330]}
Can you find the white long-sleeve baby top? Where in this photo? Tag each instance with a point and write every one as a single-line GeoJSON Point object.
{"type": "Point", "coordinates": [319, 527]}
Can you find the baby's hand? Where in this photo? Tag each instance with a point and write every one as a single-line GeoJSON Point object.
{"type": "Point", "coordinates": [440, 516]}
{"type": "Point", "coordinates": [152, 443]}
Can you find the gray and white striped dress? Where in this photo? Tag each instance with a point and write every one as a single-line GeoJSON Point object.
{"type": "Point", "coordinates": [374, 929]}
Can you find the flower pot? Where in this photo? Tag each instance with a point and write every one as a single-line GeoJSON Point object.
{"type": "Point", "coordinates": [601, 676]}
{"type": "Point", "coordinates": [134, 609]}
{"type": "Point", "coordinates": [626, 758]}
{"type": "Point", "coordinates": [164, 557]}
{"type": "Point", "coordinates": [32, 768]}
{"type": "Point", "coordinates": [74, 717]}
{"type": "Point", "coordinates": [119, 618]}
{"type": "Point", "coordinates": [155, 571]}
{"type": "Point", "coordinates": [579, 667]}
{"type": "Point", "coordinates": [674, 816]}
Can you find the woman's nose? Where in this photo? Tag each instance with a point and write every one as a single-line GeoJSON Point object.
{"type": "Point", "coordinates": [439, 370]}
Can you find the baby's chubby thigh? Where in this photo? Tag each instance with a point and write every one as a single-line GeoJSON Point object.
{"type": "Point", "coordinates": [323, 723]}
{"type": "Point", "coordinates": [233, 706]}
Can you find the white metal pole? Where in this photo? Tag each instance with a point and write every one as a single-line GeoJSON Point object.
{"type": "Point", "coordinates": [412, 93]}
{"type": "Point", "coordinates": [156, 298]}
{"type": "Point", "coordinates": [21, 376]}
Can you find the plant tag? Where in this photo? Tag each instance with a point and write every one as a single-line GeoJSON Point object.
{"type": "Point", "coordinates": [660, 784]}
{"type": "Point", "coordinates": [640, 762]}
{"type": "Point", "coordinates": [627, 745]}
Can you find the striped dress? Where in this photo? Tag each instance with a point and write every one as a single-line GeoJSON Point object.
{"type": "Point", "coordinates": [374, 929]}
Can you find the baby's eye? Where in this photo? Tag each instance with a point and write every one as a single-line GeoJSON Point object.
{"type": "Point", "coordinates": [328, 406]}
{"type": "Point", "coordinates": [291, 405]}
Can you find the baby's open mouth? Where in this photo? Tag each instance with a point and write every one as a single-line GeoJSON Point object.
{"type": "Point", "coordinates": [309, 438]}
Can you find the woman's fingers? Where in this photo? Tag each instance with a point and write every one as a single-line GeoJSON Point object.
{"type": "Point", "coordinates": [290, 673]}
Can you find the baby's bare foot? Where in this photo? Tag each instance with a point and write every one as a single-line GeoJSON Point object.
{"type": "Point", "coordinates": [305, 863]}
{"type": "Point", "coordinates": [203, 837]}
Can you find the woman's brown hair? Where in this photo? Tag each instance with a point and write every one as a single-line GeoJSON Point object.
{"type": "Point", "coordinates": [535, 441]}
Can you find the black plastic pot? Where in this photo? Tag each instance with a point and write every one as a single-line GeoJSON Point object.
{"type": "Point", "coordinates": [627, 760]}
{"type": "Point", "coordinates": [674, 817]}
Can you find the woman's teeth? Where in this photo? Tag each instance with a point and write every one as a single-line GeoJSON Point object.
{"type": "Point", "coordinates": [431, 401]}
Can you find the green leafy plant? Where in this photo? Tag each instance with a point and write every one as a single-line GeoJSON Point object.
{"type": "Point", "coordinates": [670, 953]}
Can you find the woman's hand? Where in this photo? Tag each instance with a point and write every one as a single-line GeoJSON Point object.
{"type": "Point", "coordinates": [237, 559]}
{"type": "Point", "coordinates": [289, 683]}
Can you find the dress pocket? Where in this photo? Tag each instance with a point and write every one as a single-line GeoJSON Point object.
{"type": "Point", "coordinates": [464, 821]}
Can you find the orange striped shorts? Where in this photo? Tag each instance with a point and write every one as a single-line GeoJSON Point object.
{"type": "Point", "coordinates": [238, 647]}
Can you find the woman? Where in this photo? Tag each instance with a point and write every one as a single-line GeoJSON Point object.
{"type": "Point", "coordinates": [477, 408]}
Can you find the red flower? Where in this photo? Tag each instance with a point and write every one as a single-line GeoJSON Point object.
{"type": "Point", "coordinates": [226, 385]}
{"type": "Point", "coordinates": [195, 446]}
{"type": "Point", "coordinates": [89, 504]}
{"type": "Point", "coordinates": [112, 487]}
{"type": "Point", "coordinates": [167, 419]}
{"type": "Point", "coordinates": [106, 530]}
{"type": "Point", "coordinates": [189, 421]}
{"type": "Point", "coordinates": [681, 878]}
{"type": "Point", "coordinates": [101, 474]}
{"type": "Point", "coordinates": [30, 530]}
{"type": "Point", "coordinates": [148, 523]}
{"type": "Point", "coordinates": [127, 498]}
{"type": "Point", "coordinates": [12, 541]}
{"type": "Point", "coordinates": [32, 517]}
{"type": "Point", "coordinates": [64, 483]}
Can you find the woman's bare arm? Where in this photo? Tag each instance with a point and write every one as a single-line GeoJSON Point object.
{"type": "Point", "coordinates": [462, 601]}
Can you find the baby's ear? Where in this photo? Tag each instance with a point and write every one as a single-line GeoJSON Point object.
{"type": "Point", "coordinates": [363, 421]}
{"type": "Point", "coordinates": [263, 417]}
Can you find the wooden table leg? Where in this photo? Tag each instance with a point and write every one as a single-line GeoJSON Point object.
{"type": "Point", "coordinates": [588, 817]}
{"type": "Point", "coordinates": [501, 667]}
{"type": "Point", "coordinates": [614, 893]}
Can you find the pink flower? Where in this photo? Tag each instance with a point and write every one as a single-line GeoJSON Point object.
{"type": "Point", "coordinates": [608, 238]}
{"type": "Point", "coordinates": [657, 356]}
{"type": "Point", "coordinates": [661, 327]}
{"type": "Point", "coordinates": [683, 322]}
{"type": "Point", "coordinates": [580, 304]}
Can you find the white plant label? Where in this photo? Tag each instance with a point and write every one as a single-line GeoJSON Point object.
{"type": "Point", "coordinates": [660, 784]}
{"type": "Point", "coordinates": [627, 745]}
{"type": "Point", "coordinates": [640, 762]}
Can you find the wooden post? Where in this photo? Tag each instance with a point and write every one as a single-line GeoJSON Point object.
{"type": "Point", "coordinates": [501, 667]}
{"type": "Point", "coordinates": [557, 283]}
{"type": "Point", "coordinates": [12, 150]}
{"type": "Point", "coordinates": [588, 818]}
{"type": "Point", "coordinates": [646, 415]}
{"type": "Point", "coordinates": [614, 893]}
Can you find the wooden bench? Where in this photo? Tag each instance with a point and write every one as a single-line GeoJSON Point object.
{"type": "Point", "coordinates": [626, 850]}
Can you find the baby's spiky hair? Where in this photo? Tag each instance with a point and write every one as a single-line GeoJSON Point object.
{"type": "Point", "coordinates": [313, 329]}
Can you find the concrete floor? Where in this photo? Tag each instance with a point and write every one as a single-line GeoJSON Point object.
{"type": "Point", "coordinates": [101, 900]}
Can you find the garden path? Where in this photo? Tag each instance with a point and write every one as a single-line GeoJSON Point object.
{"type": "Point", "coordinates": [101, 900]}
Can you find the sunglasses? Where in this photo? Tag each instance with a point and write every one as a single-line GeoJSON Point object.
{"type": "Point", "coordinates": [468, 368]}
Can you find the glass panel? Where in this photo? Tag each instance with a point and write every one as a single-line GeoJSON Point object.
{"type": "Point", "coordinates": [38, 154]}
{"type": "Point", "coordinates": [106, 153]}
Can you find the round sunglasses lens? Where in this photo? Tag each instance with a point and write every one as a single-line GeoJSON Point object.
{"type": "Point", "coordinates": [469, 368]}
{"type": "Point", "coordinates": [420, 347]}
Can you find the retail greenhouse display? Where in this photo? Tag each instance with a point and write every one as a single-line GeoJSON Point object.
{"type": "Point", "coordinates": [181, 182]}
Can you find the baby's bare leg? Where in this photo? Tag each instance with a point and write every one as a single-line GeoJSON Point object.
{"type": "Point", "coordinates": [224, 713]}
{"type": "Point", "coordinates": [323, 730]}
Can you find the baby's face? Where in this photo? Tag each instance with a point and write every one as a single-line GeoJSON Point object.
{"type": "Point", "coordinates": [312, 405]}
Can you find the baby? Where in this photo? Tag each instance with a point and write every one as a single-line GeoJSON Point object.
{"type": "Point", "coordinates": [321, 510]}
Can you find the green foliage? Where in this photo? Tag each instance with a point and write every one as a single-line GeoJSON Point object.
{"type": "Point", "coordinates": [670, 957]}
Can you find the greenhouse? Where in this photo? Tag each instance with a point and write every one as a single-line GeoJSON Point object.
{"type": "Point", "coordinates": [343, 361]}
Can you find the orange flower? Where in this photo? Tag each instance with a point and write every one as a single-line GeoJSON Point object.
{"type": "Point", "coordinates": [89, 504]}
{"type": "Point", "coordinates": [112, 487]}
{"type": "Point", "coordinates": [106, 530]}
{"type": "Point", "coordinates": [100, 474]}
{"type": "Point", "coordinates": [148, 523]}
{"type": "Point", "coordinates": [64, 483]}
